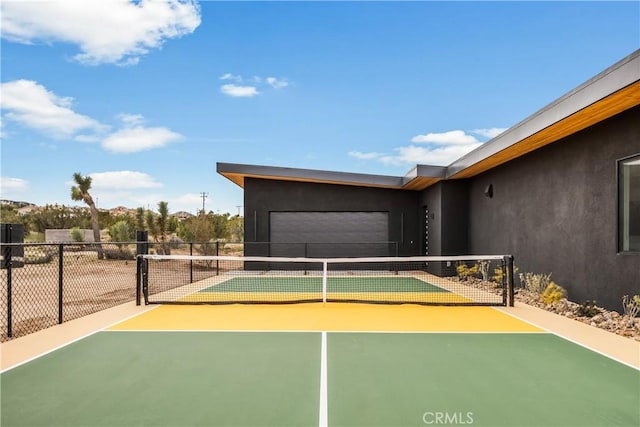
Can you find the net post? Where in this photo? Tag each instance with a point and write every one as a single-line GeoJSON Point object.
{"type": "Point", "coordinates": [145, 280]}
{"type": "Point", "coordinates": [138, 279]}
{"type": "Point", "coordinates": [142, 248]}
{"type": "Point", "coordinates": [510, 288]}
{"type": "Point", "coordinates": [324, 281]}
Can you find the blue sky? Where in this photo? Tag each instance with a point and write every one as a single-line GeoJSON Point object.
{"type": "Point", "coordinates": [146, 97]}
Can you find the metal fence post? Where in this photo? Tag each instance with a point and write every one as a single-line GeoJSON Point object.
{"type": "Point", "coordinates": [9, 288]}
{"type": "Point", "coordinates": [60, 281]}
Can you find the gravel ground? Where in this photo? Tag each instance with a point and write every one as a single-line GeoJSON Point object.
{"type": "Point", "coordinates": [602, 318]}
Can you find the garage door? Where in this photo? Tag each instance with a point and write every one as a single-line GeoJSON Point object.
{"type": "Point", "coordinates": [332, 234]}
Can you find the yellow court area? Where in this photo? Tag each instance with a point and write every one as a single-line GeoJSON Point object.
{"type": "Point", "coordinates": [326, 317]}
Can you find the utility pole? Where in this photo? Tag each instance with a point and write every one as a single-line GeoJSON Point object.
{"type": "Point", "coordinates": [203, 196]}
{"type": "Point", "coordinates": [239, 209]}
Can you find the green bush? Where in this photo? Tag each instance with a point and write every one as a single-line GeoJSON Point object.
{"type": "Point", "coordinates": [121, 232]}
{"type": "Point", "coordinates": [77, 235]}
{"type": "Point", "coordinates": [553, 293]}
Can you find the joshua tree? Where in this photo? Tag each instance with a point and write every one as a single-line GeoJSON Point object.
{"type": "Point", "coordinates": [140, 219]}
{"type": "Point", "coordinates": [162, 222]}
{"type": "Point", "coordinates": [80, 192]}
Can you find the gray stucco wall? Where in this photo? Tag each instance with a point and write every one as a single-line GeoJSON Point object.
{"type": "Point", "coordinates": [264, 196]}
{"type": "Point", "coordinates": [555, 210]}
{"type": "Point", "coordinates": [447, 202]}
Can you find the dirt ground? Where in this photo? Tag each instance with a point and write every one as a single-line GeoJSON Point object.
{"type": "Point", "coordinates": [88, 285]}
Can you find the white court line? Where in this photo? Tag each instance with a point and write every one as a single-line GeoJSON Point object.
{"type": "Point", "coordinates": [213, 330]}
{"type": "Point", "coordinates": [315, 331]}
{"type": "Point", "coordinates": [324, 413]}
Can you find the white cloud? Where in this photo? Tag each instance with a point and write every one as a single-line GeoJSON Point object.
{"type": "Point", "coordinates": [87, 138]}
{"type": "Point", "coordinates": [229, 76]}
{"type": "Point", "coordinates": [276, 83]}
{"type": "Point", "coordinates": [115, 31]}
{"type": "Point", "coordinates": [456, 137]}
{"type": "Point", "coordinates": [413, 154]}
{"type": "Point", "coordinates": [185, 200]}
{"type": "Point", "coordinates": [131, 119]}
{"type": "Point", "coordinates": [438, 149]}
{"type": "Point", "coordinates": [239, 91]}
{"type": "Point", "coordinates": [8, 184]}
{"type": "Point", "coordinates": [139, 138]}
{"type": "Point", "coordinates": [32, 105]}
{"type": "Point", "coordinates": [248, 91]}
{"type": "Point", "coordinates": [489, 133]}
{"type": "Point", "coordinates": [365, 156]}
{"type": "Point", "coordinates": [123, 180]}
{"type": "Point", "coordinates": [437, 156]}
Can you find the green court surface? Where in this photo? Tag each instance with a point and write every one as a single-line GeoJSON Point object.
{"type": "Point", "coordinates": [123, 378]}
{"type": "Point", "coordinates": [314, 284]}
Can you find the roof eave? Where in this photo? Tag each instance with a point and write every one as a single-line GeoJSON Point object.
{"type": "Point", "coordinates": [238, 172]}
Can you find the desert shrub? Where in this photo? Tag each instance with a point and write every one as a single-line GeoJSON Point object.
{"type": "Point", "coordinates": [553, 293]}
{"type": "Point", "coordinates": [536, 283]}
{"type": "Point", "coordinates": [76, 234]}
{"type": "Point", "coordinates": [465, 272]}
{"type": "Point", "coordinates": [483, 266]}
{"type": "Point", "coordinates": [498, 274]}
{"type": "Point", "coordinates": [587, 309]}
{"type": "Point", "coordinates": [37, 256]}
{"type": "Point", "coordinates": [631, 307]}
{"type": "Point", "coordinates": [120, 253]}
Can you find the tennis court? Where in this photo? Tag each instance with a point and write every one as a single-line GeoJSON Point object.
{"type": "Point", "coordinates": [322, 364]}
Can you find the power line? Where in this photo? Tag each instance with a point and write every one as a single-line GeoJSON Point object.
{"type": "Point", "coordinates": [203, 196]}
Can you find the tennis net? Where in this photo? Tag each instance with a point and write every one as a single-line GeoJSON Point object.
{"type": "Point", "coordinates": [428, 280]}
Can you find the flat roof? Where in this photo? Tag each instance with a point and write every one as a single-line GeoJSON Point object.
{"type": "Point", "coordinates": [238, 172]}
{"type": "Point", "coordinates": [611, 92]}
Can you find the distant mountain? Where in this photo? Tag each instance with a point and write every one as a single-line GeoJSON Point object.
{"type": "Point", "coordinates": [182, 215]}
{"type": "Point", "coordinates": [15, 203]}
{"type": "Point", "coordinates": [26, 207]}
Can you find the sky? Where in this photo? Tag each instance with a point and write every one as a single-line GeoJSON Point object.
{"type": "Point", "coordinates": [147, 96]}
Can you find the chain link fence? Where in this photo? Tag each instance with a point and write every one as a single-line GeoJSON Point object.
{"type": "Point", "coordinates": [48, 284]}
{"type": "Point", "coordinates": [45, 284]}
